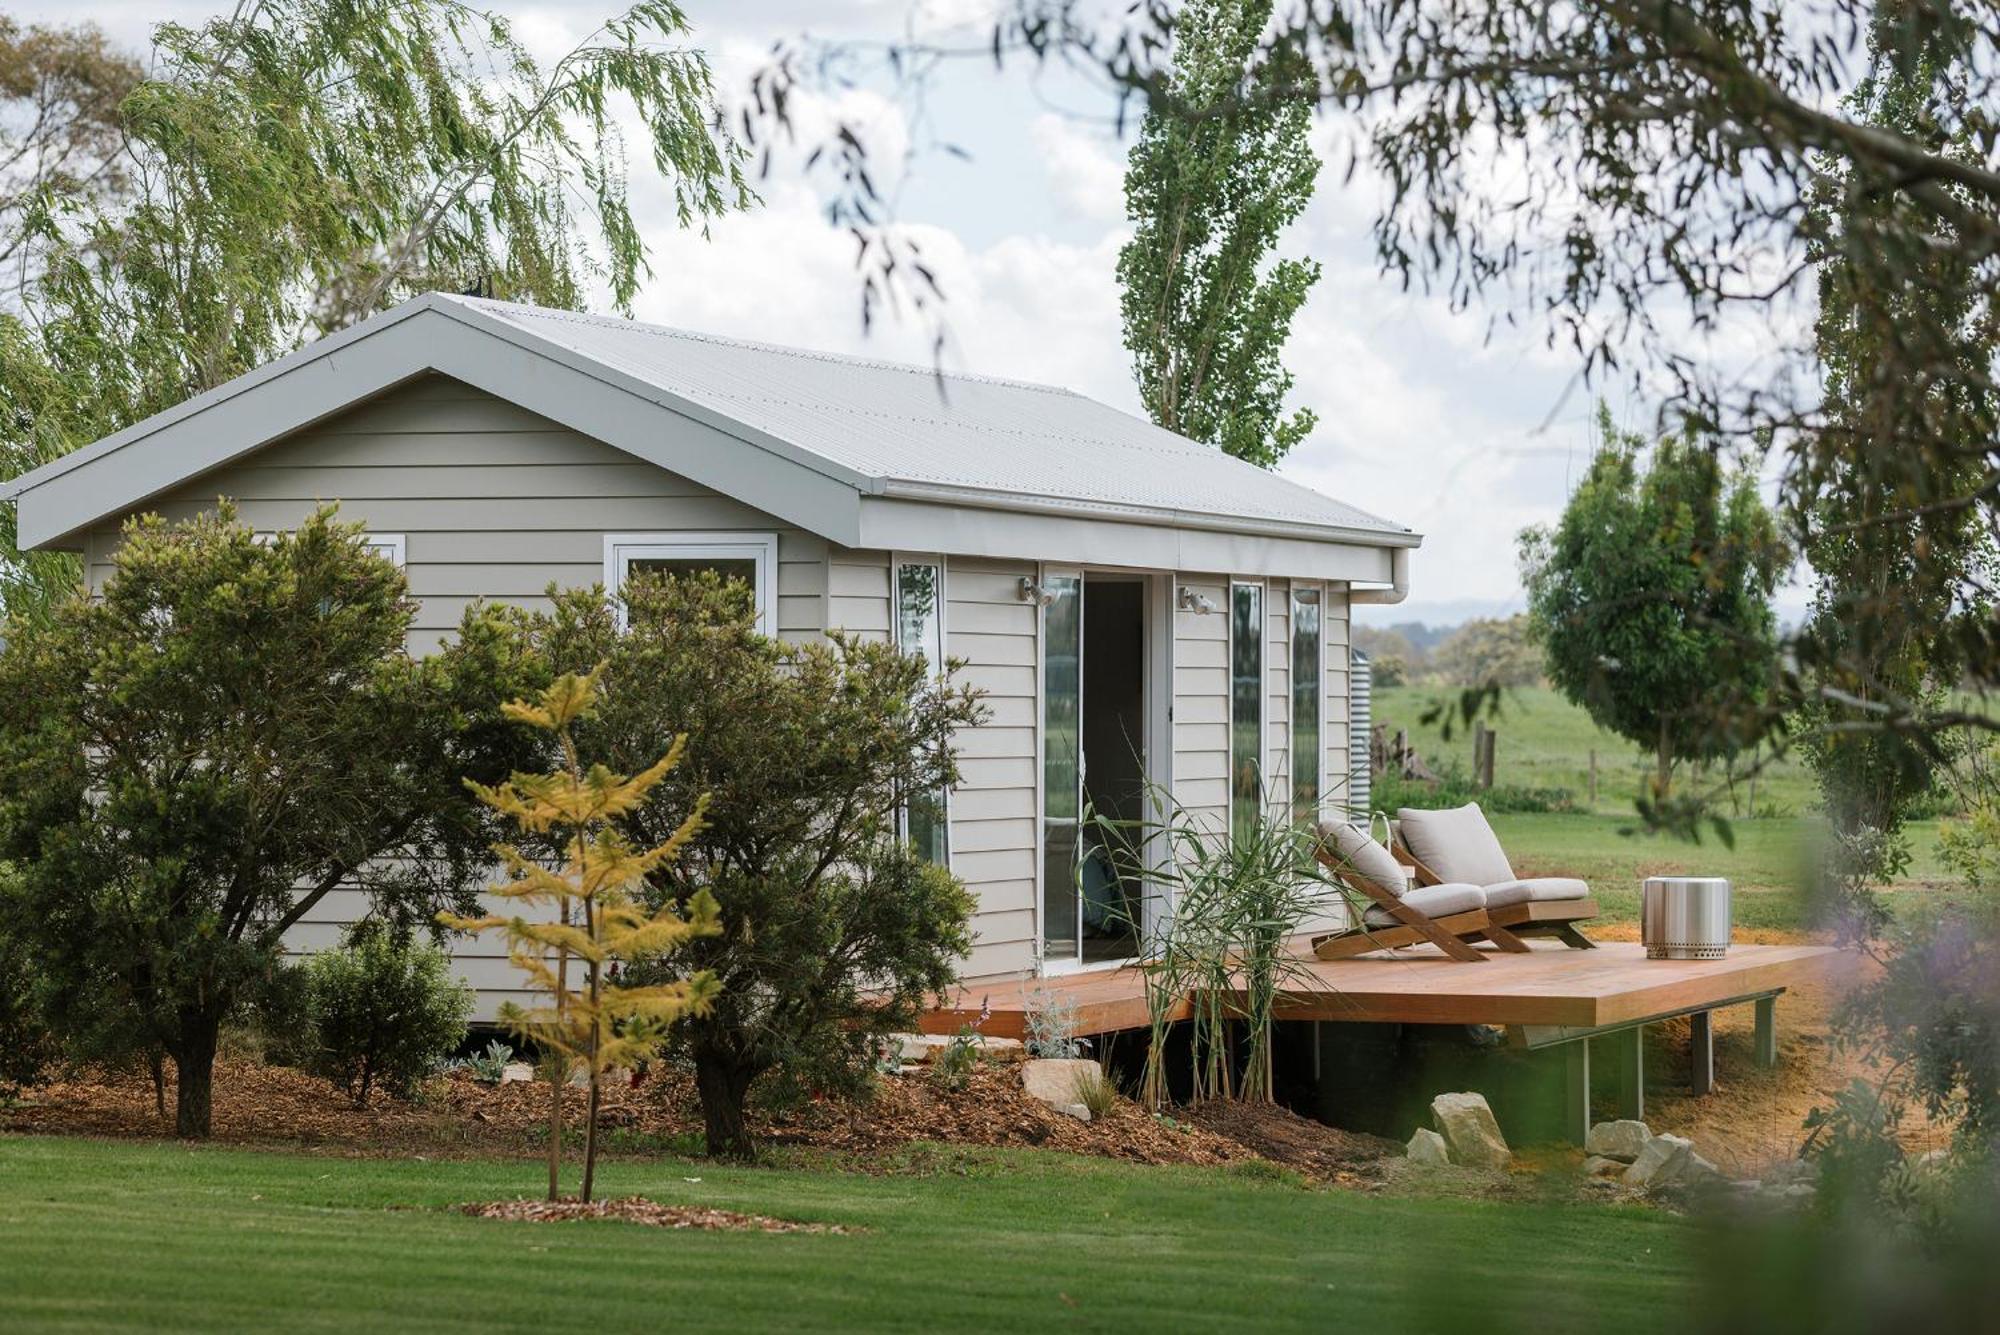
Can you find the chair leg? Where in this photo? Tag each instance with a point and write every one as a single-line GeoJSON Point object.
{"type": "Point", "coordinates": [1572, 938]}
{"type": "Point", "coordinates": [1506, 940]}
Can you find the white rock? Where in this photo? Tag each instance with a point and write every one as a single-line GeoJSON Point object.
{"type": "Point", "coordinates": [1055, 1080]}
{"type": "Point", "coordinates": [1076, 1110]}
{"type": "Point", "coordinates": [1661, 1162]}
{"type": "Point", "coordinates": [1468, 1127]}
{"type": "Point", "coordinates": [1622, 1139]}
{"type": "Point", "coordinates": [922, 1047]}
{"type": "Point", "coordinates": [1428, 1147]}
{"type": "Point", "coordinates": [517, 1073]}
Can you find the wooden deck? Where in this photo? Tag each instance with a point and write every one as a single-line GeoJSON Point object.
{"type": "Point", "coordinates": [1551, 991]}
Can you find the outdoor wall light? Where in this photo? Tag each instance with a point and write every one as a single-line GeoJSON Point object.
{"type": "Point", "coordinates": [1033, 592]}
{"type": "Point", "coordinates": [1199, 603]}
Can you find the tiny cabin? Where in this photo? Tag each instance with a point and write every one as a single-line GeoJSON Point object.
{"type": "Point", "coordinates": [1136, 607]}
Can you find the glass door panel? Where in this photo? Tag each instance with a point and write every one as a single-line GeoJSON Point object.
{"type": "Point", "coordinates": [1062, 761]}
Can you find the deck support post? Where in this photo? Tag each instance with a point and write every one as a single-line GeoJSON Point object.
{"type": "Point", "coordinates": [1576, 1091]}
{"type": "Point", "coordinates": [1632, 1073]}
{"type": "Point", "coordinates": [1701, 1052]}
{"type": "Point", "coordinates": [1764, 1045]}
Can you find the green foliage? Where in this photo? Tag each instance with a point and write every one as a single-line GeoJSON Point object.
{"type": "Point", "coordinates": [834, 930]}
{"type": "Point", "coordinates": [1651, 596]}
{"type": "Point", "coordinates": [1222, 165]}
{"type": "Point", "coordinates": [1390, 792]}
{"type": "Point", "coordinates": [297, 165]}
{"type": "Point", "coordinates": [27, 1044]}
{"type": "Point", "coordinates": [1881, 643]}
{"type": "Point", "coordinates": [385, 1012]}
{"type": "Point", "coordinates": [953, 1064]}
{"type": "Point", "coordinates": [193, 760]}
{"type": "Point", "coordinates": [1238, 897]}
{"type": "Point", "coordinates": [489, 1063]}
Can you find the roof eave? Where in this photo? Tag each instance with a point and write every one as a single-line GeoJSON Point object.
{"type": "Point", "coordinates": [1107, 512]}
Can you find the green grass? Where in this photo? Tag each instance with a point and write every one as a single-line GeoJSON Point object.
{"type": "Point", "coordinates": [109, 1235]}
{"type": "Point", "coordinates": [1544, 741]}
{"type": "Point", "coordinates": [1766, 867]}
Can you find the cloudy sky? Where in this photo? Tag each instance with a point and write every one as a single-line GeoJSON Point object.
{"type": "Point", "coordinates": [1423, 417]}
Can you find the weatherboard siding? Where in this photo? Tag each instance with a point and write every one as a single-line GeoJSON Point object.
{"type": "Point", "coordinates": [1201, 702]}
{"type": "Point", "coordinates": [995, 808]}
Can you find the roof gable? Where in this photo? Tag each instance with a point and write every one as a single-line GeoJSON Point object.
{"type": "Point", "coordinates": [806, 437]}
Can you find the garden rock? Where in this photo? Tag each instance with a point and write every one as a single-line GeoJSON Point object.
{"type": "Point", "coordinates": [1598, 1165]}
{"type": "Point", "coordinates": [1428, 1147]}
{"type": "Point", "coordinates": [1076, 1110]}
{"type": "Point", "coordinates": [1054, 1080]}
{"type": "Point", "coordinates": [517, 1073]}
{"type": "Point", "coordinates": [914, 1048]}
{"type": "Point", "coordinates": [1661, 1162]}
{"type": "Point", "coordinates": [1467, 1125]}
{"type": "Point", "coordinates": [1622, 1139]}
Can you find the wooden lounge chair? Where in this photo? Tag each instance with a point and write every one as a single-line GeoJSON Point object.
{"type": "Point", "coordinates": [1462, 847]}
{"type": "Point", "coordinates": [1449, 916]}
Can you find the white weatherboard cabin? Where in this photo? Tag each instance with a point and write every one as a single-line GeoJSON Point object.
{"type": "Point", "coordinates": [1130, 602]}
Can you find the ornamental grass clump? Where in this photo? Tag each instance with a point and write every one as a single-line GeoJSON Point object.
{"type": "Point", "coordinates": [598, 1022]}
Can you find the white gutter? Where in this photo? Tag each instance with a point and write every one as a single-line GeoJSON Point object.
{"type": "Point", "coordinates": [1399, 582]}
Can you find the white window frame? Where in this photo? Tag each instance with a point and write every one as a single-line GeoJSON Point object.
{"type": "Point", "coordinates": [621, 549]}
{"type": "Point", "coordinates": [392, 546]}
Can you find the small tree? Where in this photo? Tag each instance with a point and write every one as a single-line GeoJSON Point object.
{"type": "Point", "coordinates": [193, 760]}
{"type": "Point", "coordinates": [1490, 652]}
{"type": "Point", "coordinates": [607, 1021]}
{"type": "Point", "coordinates": [835, 929]}
{"type": "Point", "coordinates": [1652, 597]}
{"type": "Point", "coordinates": [1222, 166]}
{"type": "Point", "coordinates": [384, 1012]}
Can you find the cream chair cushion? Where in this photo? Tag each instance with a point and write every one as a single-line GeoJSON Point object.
{"type": "Point", "coordinates": [1433, 901]}
{"type": "Point", "coordinates": [1542, 889]}
{"type": "Point", "coordinates": [1365, 859]}
{"type": "Point", "coordinates": [1456, 844]}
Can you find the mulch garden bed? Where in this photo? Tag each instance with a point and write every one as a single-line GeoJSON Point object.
{"type": "Point", "coordinates": [273, 1105]}
{"type": "Point", "coordinates": [639, 1210]}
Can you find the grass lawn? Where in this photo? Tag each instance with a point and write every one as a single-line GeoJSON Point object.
{"type": "Point", "coordinates": [107, 1235]}
{"type": "Point", "coordinates": [1766, 867]}
{"type": "Point", "coordinates": [1544, 741]}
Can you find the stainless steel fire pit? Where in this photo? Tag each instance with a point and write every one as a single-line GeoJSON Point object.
{"type": "Point", "coordinates": [1685, 917]}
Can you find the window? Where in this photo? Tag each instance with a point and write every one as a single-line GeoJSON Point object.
{"type": "Point", "coordinates": [388, 546]}
{"type": "Point", "coordinates": [920, 630]}
{"type": "Point", "coordinates": [1307, 680]}
{"type": "Point", "coordinates": [1246, 706]}
{"type": "Point", "coordinates": [750, 557]}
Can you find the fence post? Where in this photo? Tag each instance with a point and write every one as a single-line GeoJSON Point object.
{"type": "Point", "coordinates": [1593, 777]}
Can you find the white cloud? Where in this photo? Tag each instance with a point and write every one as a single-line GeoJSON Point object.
{"type": "Point", "coordinates": [1086, 171]}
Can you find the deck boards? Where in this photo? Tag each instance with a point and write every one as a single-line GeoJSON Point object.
{"type": "Point", "coordinates": [1549, 985]}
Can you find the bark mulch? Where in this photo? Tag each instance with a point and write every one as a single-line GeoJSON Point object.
{"type": "Point", "coordinates": [639, 1210]}
{"type": "Point", "coordinates": [274, 1105]}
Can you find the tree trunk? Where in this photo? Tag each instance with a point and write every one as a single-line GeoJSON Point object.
{"type": "Point", "coordinates": [1666, 778]}
{"type": "Point", "coordinates": [194, 1074]}
{"type": "Point", "coordinates": [156, 1066]}
{"type": "Point", "coordinates": [724, 1084]}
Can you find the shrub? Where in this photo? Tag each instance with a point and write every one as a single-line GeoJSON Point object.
{"type": "Point", "coordinates": [26, 1047]}
{"type": "Point", "coordinates": [1453, 788]}
{"type": "Point", "coordinates": [835, 929]}
{"type": "Point", "coordinates": [386, 1012]}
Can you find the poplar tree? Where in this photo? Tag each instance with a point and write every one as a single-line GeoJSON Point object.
{"type": "Point", "coordinates": [597, 1022]}
{"type": "Point", "coordinates": [1221, 167]}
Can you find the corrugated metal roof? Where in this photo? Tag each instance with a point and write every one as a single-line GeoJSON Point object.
{"type": "Point", "coordinates": [911, 424]}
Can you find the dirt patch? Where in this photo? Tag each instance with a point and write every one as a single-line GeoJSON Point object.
{"type": "Point", "coordinates": [639, 1210]}
{"type": "Point", "coordinates": [1345, 1158]}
